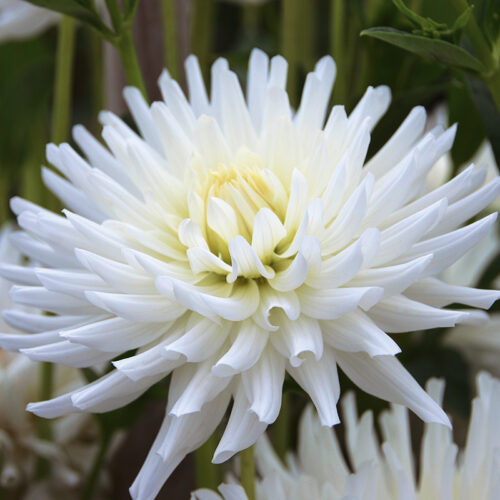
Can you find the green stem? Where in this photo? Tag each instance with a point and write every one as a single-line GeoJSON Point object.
{"type": "Point", "coordinates": [207, 474]}
{"type": "Point", "coordinates": [61, 109]}
{"type": "Point", "coordinates": [96, 74]}
{"type": "Point", "coordinates": [280, 429]}
{"type": "Point", "coordinates": [337, 37]}
{"type": "Point", "coordinates": [128, 56]}
{"type": "Point", "coordinates": [202, 27]}
{"type": "Point", "coordinates": [124, 43]}
{"type": "Point", "coordinates": [247, 472]}
{"type": "Point", "coordinates": [93, 479]}
{"type": "Point", "coordinates": [290, 42]}
{"type": "Point", "coordinates": [170, 38]}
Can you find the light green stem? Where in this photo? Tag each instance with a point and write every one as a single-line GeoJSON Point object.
{"type": "Point", "coordinates": [128, 56]}
{"type": "Point", "coordinates": [92, 483]}
{"type": "Point", "coordinates": [61, 109]}
{"type": "Point", "coordinates": [207, 474]}
{"type": "Point", "coordinates": [251, 18]}
{"type": "Point", "coordinates": [337, 38]}
{"type": "Point", "coordinates": [247, 472]}
{"type": "Point", "coordinates": [202, 26]}
{"type": "Point", "coordinates": [170, 38]}
{"type": "Point", "coordinates": [124, 43]}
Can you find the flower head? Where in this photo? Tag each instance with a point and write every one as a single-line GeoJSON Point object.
{"type": "Point", "coordinates": [19, 19]}
{"type": "Point", "coordinates": [386, 471]}
{"type": "Point", "coordinates": [236, 240]}
{"type": "Point", "coordinates": [20, 445]}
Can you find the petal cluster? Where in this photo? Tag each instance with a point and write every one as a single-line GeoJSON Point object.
{"type": "Point", "coordinates": [20, 445]}
{"type": "Point", "coordinates": [387, 470]}
{"type": "Point", "coordinates": [233, 240]}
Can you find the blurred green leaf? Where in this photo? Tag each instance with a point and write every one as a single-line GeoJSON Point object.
{"type": "Point", "coordinates": [471, 131]}
{"type": "Point", "coordinates": [488, 111]}
{"type": "Point", "coordinates": [488, 14]}
{"type": "Point", "coordinates": [439, 50]}
{"type": "Point", "coordinates": [82, 10]}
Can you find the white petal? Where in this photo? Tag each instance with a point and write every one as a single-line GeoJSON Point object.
{"type": "Point", "coordinates": [201, 340]}
{"type": "Point", "coordinates": [385, 377]}
{"type": "Point", "coordinates": [192, 386]}
{"type": "Point", "coordinates": [398, 314]}
{"type": "Point", "coordinates": [320, 380]}
{"type": "Point", "coordinates": [221, 217]}
{"type": "Point", "coordinates": [242, 430]}
{"type": "Point", "coordinates": [263, 384]}
{"type": "Point", "coordinates": [244, 352]}
{"type": "Point", "coordinates": [245, 261]}
{"type": "Point", "coordinates": [436, 293]}
{"type": "Point", "coordinates": [267, 233]}
{"type": "Point", "coordinates": [356, 332]}
{"type": "Point", "coordinates": [298, 339]}
{"type": "Point", "coordinates": [333, 303]}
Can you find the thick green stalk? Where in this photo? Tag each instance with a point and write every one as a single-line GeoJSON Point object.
{"type": "Point", "coordinates": [247, 472]}
{"type": "Point", "coordinates": [202, 27]}
{"type": "Point", "coordinates": [170, 38]}
{"type": "Point", "coordinates": [207, 474]}
{"type": "Point", "coordinates": [337, 38]}
{"type": "Point", "coordinates": [92, 483]}
{"type": "Point", "coordinates": [128, 56]}
{"type": "Point", "coordinates": [61, 109]}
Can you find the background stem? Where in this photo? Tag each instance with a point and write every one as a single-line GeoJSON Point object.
{"type": "Point", "coordinates": [247, 472]}
{"type": "Point", "coordinates": [61, 109]}
{"type": "Point", "coordinates": [207, 474]}
{"type": "Point", "coordinates": [128, 56]}
{"type": "Point", "coordinates": [93, 479]}
{"type": "Point", "coordinates": [170, 38]}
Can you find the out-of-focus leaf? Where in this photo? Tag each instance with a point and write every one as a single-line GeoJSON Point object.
{"type": "Point", "coordinates": [488, 112]}
{"type": "Point", "coordinates": [439, 50]}
{"type": "Point", "coordinates": [82, 10]}
{"type": "Point", "coordinates": [488, 15]}
{"type": "Point", "coordinates": [471, 131]}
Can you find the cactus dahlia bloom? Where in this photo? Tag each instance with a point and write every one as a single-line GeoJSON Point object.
{"type": "Point", "coordinates": [384, 471]}
{"type": "Point", "coordinates": [233, 240]}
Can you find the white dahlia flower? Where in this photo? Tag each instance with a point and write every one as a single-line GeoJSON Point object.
{"type": "Point", "coordinates": [234, 241]}
{"type": "Point", "coordinates": [20, 19]}
{"type": "Point", "coordinates": [387, 471]}
{"type": "Point", "coordinates": [73, 446]}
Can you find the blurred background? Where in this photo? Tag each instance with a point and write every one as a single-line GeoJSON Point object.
{"type": "Point", "coordinates": [302, 31]}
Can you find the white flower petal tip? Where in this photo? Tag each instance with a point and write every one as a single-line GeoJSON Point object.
{"type": "Point", "coordinates": [228, 240]}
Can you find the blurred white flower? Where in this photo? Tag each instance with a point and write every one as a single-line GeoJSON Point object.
{"type": "Point", "coordinates": [236, 241]}
{"type": "Point", "coordinates": [20, 19]}
{"type": "Point", "coordinates": [321, 471]}
{"type": "Point", "coordinates": [72, 449]}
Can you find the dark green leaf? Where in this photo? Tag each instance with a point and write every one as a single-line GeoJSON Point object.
{"type": "Point", "coordinates": [439, 50]}
{"type": "Point", "coordinates": [83, 10]}
{"type": "Point", "coordinates": [471, 131]}
{"type": "Point", "coordinates": [488, 112]}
